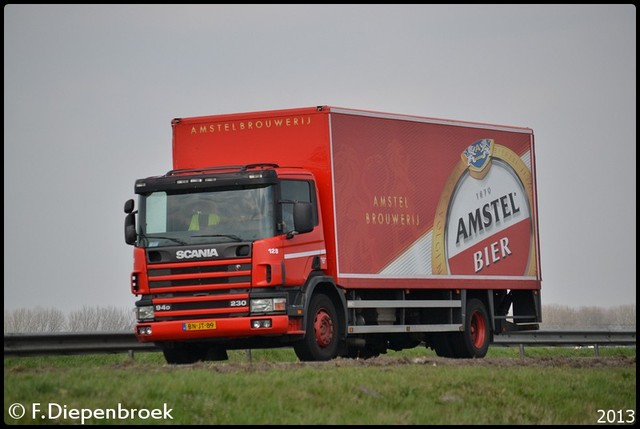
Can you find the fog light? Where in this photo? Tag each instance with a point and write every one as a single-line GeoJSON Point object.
{"type": "Point", "coordinates": [144, 330]}
{"type": "Point", "coordinates": [261, 323]}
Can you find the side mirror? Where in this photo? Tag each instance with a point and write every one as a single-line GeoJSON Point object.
{"type": "Point", "coordinates": [128, 206]}
{"type": "Point", "coordinates": [302, 217]}
{"type": "Point", "coordinates": [130, 235]}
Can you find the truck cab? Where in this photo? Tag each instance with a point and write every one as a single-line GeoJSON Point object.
{"type": "Point", "coordinates": [221, 253]}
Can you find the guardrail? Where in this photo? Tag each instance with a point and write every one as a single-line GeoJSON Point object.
{"type": "Point", "coordinates": [67, 343]}
{"type": "Point", "coordinates": [72, 343]}
{"type": "Point", "coordinates": [593, 339]}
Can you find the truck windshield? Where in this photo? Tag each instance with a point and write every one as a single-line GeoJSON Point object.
{"type": "Point", "coordinates": [243, 214]}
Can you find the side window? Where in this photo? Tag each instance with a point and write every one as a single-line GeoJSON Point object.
{"type": "Point", "coordinates": [296, 190]}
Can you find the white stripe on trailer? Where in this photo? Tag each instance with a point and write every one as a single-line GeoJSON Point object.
{"type": "Point", "coordinates": [305, 254]}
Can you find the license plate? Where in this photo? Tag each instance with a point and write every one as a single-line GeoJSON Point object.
{"type": "Point", "coordinates": [199, 326]}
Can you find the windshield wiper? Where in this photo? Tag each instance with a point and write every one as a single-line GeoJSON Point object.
{"type": "Point", "coordinates": [231, 236]}
{"type": "Point", "coordinates": [175, 240]}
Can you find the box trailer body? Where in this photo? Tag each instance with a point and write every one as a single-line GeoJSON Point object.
{"type": "Point", "coordinates": [378, 231]}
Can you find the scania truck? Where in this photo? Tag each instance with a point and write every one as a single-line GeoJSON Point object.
{"type": "Point", "coordinates": [337, 232]}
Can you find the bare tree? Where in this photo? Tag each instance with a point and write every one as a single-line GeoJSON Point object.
{"type": "Point", "coordinates": [623, 317]}
{"type": "Point", "coordinates": [557, 317]}
{"type": "Point", "coordinates": [116, 319]}
{"type": "Point", "coordinates": [32, 320]}
{"type": "Point", "coordinates": [89, 319]}
{"type": "Point", "coordinates": [564, 317]}
{"type": "Point", "coordinates": [593, 317]}
{"type": "Point", "coordinates": [83, 320]}
{"type": "Point", "coordinates": [14, 319]}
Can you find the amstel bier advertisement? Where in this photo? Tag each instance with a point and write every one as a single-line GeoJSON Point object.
{"type": "Point", "coordinates": [423, 199]}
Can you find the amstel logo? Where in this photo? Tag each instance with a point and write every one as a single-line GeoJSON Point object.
{"type": "Point", "coordinates": [483, 222]}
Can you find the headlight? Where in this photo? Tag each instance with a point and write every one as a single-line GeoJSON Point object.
{"type": "Point", "coordinates": [267, 305]}
{"type": "Point", "coordinates": [145, 313]}
{"type": "Point", "coordinates": [261, 305]}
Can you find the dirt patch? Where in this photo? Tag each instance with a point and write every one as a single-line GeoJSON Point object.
{"type": "Point", "coordinates": [386, 361]}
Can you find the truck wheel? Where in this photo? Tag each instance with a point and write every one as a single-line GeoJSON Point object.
{"type": "Point", "coordinates": [473, 342]}
{"type": "Point", "coordinates": [215, 353]}
{"type": "Point", "coordinates": [366, 352]}
{"type": "Point", "coordinates": [182, 354]}
{"type": "Point", "coordinates": [320, 342]}
{"type": "Point", "coordinates": [441, 344]}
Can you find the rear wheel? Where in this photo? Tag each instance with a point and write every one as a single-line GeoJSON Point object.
{"type": "Point", "coordinates": [320, 342]}
{"type": "Point", "coordinates": [367, 351]}
{"type": "Point", "coordinates": [441, 344]}
{"type": "Point", "coordinates": [473, 342]}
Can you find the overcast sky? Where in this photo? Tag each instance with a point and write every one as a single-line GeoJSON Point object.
{"type": "Point", "coordinates": [90, 90]}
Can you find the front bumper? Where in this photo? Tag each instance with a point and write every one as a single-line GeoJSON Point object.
{"type": "Point", "coordinates": [235, 327]}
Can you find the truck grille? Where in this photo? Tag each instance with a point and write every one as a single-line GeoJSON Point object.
{"type": "Point", "coordinates": [193, 290]}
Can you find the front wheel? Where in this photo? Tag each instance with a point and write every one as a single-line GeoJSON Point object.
{"type": "Point", "coordinates": [181, 354]}
{"type": "Point", "coordinates": [320, 342]}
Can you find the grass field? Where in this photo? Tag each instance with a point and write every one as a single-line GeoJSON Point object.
{"type": "Point", "coordinates": [548, 386]}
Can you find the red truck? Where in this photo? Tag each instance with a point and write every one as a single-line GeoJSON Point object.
{"type": "Point", "coordinates": [337, 232]}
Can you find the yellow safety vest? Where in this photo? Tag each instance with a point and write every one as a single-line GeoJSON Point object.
{"type": "Point", "coordinates": [214, 219]}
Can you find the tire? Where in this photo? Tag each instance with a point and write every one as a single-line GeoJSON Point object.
{"type": "Point", "coordinates": [441, 344]}
{"type": "Point", "coordinates": [215, 354]}
{"type": "Point", "coordinates": [181, 354]}
{"type": "Point", "coordinates": [403, 341]}
{"type": "Point", "coordinates": [366, 352]}
{"type": "Point", "coordinates": [474, 341]}
{"type": "Point", "coordinates": [320, 342]}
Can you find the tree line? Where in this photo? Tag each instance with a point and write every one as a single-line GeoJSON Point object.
{"type": "Point", "coordinates": [86, 319]}
{"type": "Point", "coordinates": [89, 319]}
{"type": "Point", "coordinates": [622, 317]}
